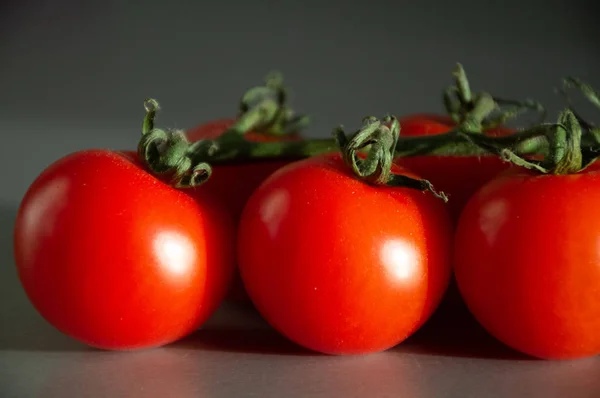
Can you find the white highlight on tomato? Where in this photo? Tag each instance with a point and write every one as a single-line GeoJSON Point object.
{"type": "Point", "coordinates": [492, 217]}
{"type": "Point", "coordinates": [175, 252]}
{"type": "Point", "coordinates": [273, 210]}
{"type": "Point", "coordinates": [400, 258]}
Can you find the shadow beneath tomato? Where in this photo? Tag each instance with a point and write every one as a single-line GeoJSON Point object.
{"type": "Point", "coordinates": [23, 329]}
{"type": "Point", "coordinates": [453, 332]}
{"type": "Point", "coordinates": [242, 340]}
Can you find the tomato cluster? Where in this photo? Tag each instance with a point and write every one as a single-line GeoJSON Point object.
{"type": "Point", "coordinates": [119, 258]}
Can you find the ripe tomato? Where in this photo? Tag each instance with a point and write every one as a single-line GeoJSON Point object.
{"type": "Point", "coordinates": [528, 265]}
{"type": "Point", "coordinates": [233, 184]}
{"type": "Point", "coordinates": [339, 266]}
{"type": "Point", "coordinates": [457, 176]}
{"type": "Point", "coordinates": [117, 259]}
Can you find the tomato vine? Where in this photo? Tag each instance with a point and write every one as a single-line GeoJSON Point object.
{"type": "Point", "coordinates": [264, 109]}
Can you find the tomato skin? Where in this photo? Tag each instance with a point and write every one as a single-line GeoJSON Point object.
{"type": "Point", "coordinates": [117, 259]}
{"type": "Point", "coordinates": [527, 262]}
{"type": "Point", "coordinates": [339, 266]}
{"type": "Point", "coordinates": [458, 176]}
{"type": "Point", "coordinates": [233, 184]}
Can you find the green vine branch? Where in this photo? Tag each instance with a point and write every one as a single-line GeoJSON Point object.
{"type": "Point", "coordinates": [566, 146]}
{"type": "Point", "coordinates": [188, 164]}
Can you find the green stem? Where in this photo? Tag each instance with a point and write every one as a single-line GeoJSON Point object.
{"type": "Point", "coordinates": [590, 94]}
{"type": "Point", "coordinates": [528, 141]}
{"type": "Point", "coordinates": [588, 91]}
{"type": "Point", "coordinates": [381, 138]}
{"type": "Point", "coordinates": [152, 107]}
{"type": "Point", "coordinates": [482, 107]}
{"type": "Point", "coordinates": [463, 106]}
{"type": "Point", "coordinates": [564, 138]}
{"type": "Point", "coordinates": [515, 109]}
{"type": "Point", "coordinates": [462, 83]}
{"type": "Point", "coordinates": [235, 152]}
{"type": "Point", "coordinates": [438, 145]}
{"type": "Point", "coordinates": [566, 156]}
{"type": "Point", "coordinates": [188, 164]}
{"type": "Point", "coordinates": [166, 153]}
{"type": "Point", "coordinates": [264, 110]}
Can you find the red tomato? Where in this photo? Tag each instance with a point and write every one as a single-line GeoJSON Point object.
{"type": "Point", "coordinates": [457, 176]}
{"type": "Point", "coordinates": [528, 265]}
{"type": "Point", "coordinates": [233, 184]}
{"type": "Point", "coordinates": [117, 259]}
{"type": "Point", "coordinates": [339, 266]}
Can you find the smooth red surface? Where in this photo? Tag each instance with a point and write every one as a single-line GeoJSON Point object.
{"type": "Point", "coordinates": [339, 266]}
{"type": "Point", "coordinates": [117, 259]}
{"type": "Point", "coordinates": [528, 262]}
{"type": "Point", "coordinates": [232, 185]}
{"type": "Point", "coordinates": [457, 176]}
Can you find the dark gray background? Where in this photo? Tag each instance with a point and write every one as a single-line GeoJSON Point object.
{"type": "Point", "coordinates": [73, 75]}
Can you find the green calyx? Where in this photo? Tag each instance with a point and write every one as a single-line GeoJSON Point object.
{"type": "Point", "coordinates": [379, 138]}
{"type": "Point", "coordinates": [168, 152]}
{"type": "Point", "coordinates": [571, 144]}
{"type": "Point", "coordinates": [264, 110]}
{"type": "Point", "coordinates": [565, 151]}
{"type": "Point", "coordinates": [467, 108]}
